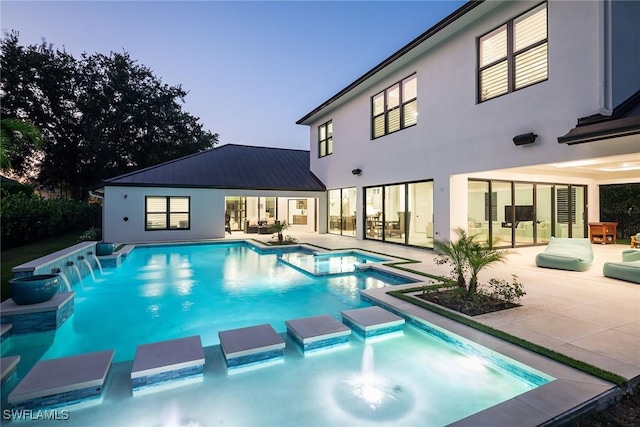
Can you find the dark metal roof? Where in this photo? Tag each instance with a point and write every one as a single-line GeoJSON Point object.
{"type": "Point", "coordinates": [230, 166]}
{"type": "Point", "coordinates": [461, 11]}
{"type": "Point", "coordinates": [624, 121]}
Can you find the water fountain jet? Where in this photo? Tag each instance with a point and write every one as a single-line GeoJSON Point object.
{"type": "Point", "coordinates": [372, 396]}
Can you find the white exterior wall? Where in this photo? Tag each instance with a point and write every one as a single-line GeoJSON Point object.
{"type": "Point", "coordinates": [206, 212]}
{"type": "Point", "coordinates": [206, 216]}
{"type": "Point", "coordinates": [456, 135]}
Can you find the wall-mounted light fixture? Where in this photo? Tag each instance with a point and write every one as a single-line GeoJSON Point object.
{"type": "Point", "coordinates": [525, 138]}
{"type": "Point", "coordinates": [356, 171]}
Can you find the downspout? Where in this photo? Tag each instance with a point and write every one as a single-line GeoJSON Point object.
{"type": "Point", "coordinates": [605, 94]}
{"type": "Point", "coordinates": [97, 196]}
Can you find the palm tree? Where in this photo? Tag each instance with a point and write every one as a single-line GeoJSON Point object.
{"type": "Point", "coordinates": [454, 254]}
{"type": "Point", "coordinates": [13, 134]}
{"type": "Point", "coordinates": [279, 227]}
{"type": "Point", "coordinates": [479, 256]}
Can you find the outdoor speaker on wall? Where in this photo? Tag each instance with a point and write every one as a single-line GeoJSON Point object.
{"type": "Point", "coordinates": [525, 138]}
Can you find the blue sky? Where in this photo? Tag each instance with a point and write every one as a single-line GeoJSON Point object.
{"type": "Point", "coordinates": [252, 69]}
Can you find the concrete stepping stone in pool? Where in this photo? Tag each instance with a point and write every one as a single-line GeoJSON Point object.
{"type": "Point", "coordinates": [167, 363]}
{"type": "Point", "coordinates": [372, 321]}
{"type": "Point", "coordinates": [8, 368]}
{"type": "Point", "coordinates": [250, 346]}
{"type": "Point", "coordinates": [317, 333]}
{"type": "Point", "coordinates": [64, 381]}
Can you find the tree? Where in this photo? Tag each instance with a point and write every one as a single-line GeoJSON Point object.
{"type": "Point", "coordinates": [621, 203]}
{"type": "Point", "coordinates": [480, 256]}
{"type": "Point", "coordinates": [278, 227]}
{"type": "Point", "coordinates": [15, 134]}
{"type": "Point", "coordinates": [100, 115]}
{"type": "Point", "coordinates": [454, 254]}
{"type": "Point", "coordinates": [466, 256]}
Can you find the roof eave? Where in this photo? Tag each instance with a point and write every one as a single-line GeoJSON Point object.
{"type": "Point", "coordinates": [580, 136]}
{"type": "Point", "coordinates": [454, 16]}
{"type": "Point", "coordinates": [210, 187]}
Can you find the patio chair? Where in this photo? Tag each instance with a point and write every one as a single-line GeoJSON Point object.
{"type": "Point", "coordinates": [564, 253]}
{"type": "Point", "coordinates": [634, 240]}
{"type": "Point", "coordinates": [400, 227]}
{"type": "Point", "coordinates": [628, 269]}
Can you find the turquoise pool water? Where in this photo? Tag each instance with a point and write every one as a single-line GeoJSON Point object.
{"type": "Point", "coordinates": [321, 264]}
{"type": "Point", "coordinates": [164, 292]}
{"type": "Point", "coordinates": [425, 376]}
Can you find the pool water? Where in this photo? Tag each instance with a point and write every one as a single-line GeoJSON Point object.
{"type": "Point", "coordinates": [165, 292]}
{"type": "Point", "coordinates": [321, 264]}
{"type": "Point", "coordinates": [430, 378]}
{"type": "Point", "coordinates": [421, 382]}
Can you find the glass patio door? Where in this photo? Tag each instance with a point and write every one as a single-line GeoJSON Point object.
{"type": "Point", "coordinates": [544, 216]}
{"type": "Point", "coordinates": [523, 210]}
{"type": "Point", "coordinates": [235, 206]}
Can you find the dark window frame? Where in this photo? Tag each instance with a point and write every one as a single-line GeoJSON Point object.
{"type": "Point", "coordinates": [402, 103]}
{"type": "Point", "coordinates": [167, 212]}
{"type": "Point", "coordinates": [511, 56]}
{"type": "Point", "coordinates": [325, 142]}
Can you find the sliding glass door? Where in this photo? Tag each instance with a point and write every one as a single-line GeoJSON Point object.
{"type": "Point", "coordinates": [544, 212]}
{"type": "Point", "coordinates": [524, 213]}
{"type": "Point", "coordinates": [400, 213]}
{"type": "Point", "coordinates": [342, 211]}
{"type": "Point", "coordinates": [419, 225]}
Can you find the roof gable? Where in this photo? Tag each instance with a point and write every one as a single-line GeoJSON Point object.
{"type": "Point", "coordinates": [230, 166]}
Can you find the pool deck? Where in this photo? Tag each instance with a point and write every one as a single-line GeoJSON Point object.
{"type": "Point", "coordinates": [583, 315]}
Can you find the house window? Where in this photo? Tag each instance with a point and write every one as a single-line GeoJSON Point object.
{"type": "Point", "coordinates": [395, 108]}
{"type": "Point", "coordinates": [325, 139]}
{"type": "Point", "coordinates": [491, 206]}
{"type": "Point", "coordinates": [513, 55]}
{"type": "Point", "coordinates": [564, 204]}
{"type": "Point", "coordinates": [166, 213]}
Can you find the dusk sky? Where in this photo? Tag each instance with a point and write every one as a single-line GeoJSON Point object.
{"type": "Point", "coordinates": [252, 69]}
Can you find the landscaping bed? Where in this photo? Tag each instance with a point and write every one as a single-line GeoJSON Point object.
{"type": "Point", "coordinates": [460, 301]}
{"type": "Point", "coordinates": [625, 413]}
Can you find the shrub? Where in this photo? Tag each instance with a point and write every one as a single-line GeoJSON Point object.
{"type": "Point", "coordinates": [94, 233]}
{"type": "Point", "coordinates": [466, 256]}
{"type": "Point", "coordinates": [27, 217]}
{"type": "Point", "coordinates": [505, 291]}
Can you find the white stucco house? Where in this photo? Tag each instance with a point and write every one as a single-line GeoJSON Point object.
{"type": "Point", "coordinates": [502, 119]}
{"type": "Point", "coordinates": [186, 199]}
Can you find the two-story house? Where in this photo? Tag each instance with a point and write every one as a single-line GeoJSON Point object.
{"type": "Point", "coordinates": [502, 119]}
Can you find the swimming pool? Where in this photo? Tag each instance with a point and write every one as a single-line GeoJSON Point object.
{"type": "Point", "coordinates": [164, 292]}
{"type": "Point", "coordinates": [320, 264]}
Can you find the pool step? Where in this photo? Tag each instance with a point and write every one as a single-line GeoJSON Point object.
{"type": "Point", "coordinates": [250, 346]}
{"type": "Point", "coordinates": [8, 367]}
{"type": "Point", "coordinates": [5, 331]}
{"type": "Point", "coordinates": [64, 381]}
{"type": "Point", "coordinates": [317, 333]}
{"type": "Point", "coordinates": [167, 363]}
{"type": "Point", "coordinates": [372, 321]}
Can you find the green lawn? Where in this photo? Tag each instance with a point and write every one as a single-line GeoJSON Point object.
{"type": "Point", "coordinates": [16, 256]}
